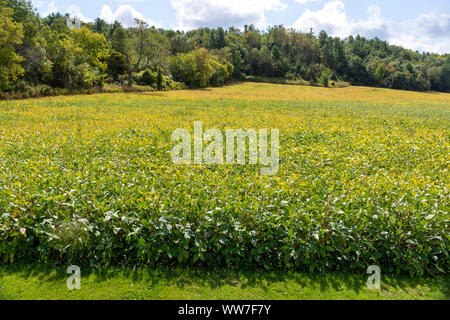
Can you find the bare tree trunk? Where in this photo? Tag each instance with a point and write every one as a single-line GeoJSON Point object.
{"type": "Point", "coordinates": [130, 72]}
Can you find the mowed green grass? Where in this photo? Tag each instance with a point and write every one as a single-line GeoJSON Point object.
{"type": "Point", "coordinates": [44, 283]}
{"type": "Point", "coordinates": [363, 180]}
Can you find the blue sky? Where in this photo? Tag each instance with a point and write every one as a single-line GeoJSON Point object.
{"type": "Point", "coordinates": [418, 25]}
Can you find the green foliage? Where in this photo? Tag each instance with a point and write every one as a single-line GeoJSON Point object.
{"type": "Point", "coordinates": [380, 73]}
{"type": "Point", "coordinates": [11, 34]}
{"type": "Point", "coordinates": [110, 50]}
{"type": "Point", "coordinates": [325, 77]}
{"type": "Point", "coordinates": [445, 76]}
{"type": "Point", "coordinates": [57, 23]}
{"type": "Point", "coordinates": [159, 78]}
{"type": "Point", "coordinates": [68, 71]}
{"type": "Point", "coordinates": [149, 78]}
{"type": "Point", "coordinates": [199, 69]}
{"type": "Point", "coordinates": [85, 182]}
{"type": "Point", "coordinates": [93, 47]}
{"type": "Point", "coordinates": [237, 53]}
{"type": "Point", "coordinates": [120, 41]}
{"type": "Point", "coordinates": [78, 58]}
{"type": "Point", "coordinates": [156, 79]}
{"type": "Point", "coordinates": [117, 65]}
{"type": "Point", "coordinates": [94, 52]}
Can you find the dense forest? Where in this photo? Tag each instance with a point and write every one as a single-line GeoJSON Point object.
{"type": "Point", "coordinates": [40, 54]}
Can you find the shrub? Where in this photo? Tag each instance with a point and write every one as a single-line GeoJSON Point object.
{"type": "Point", "coordinates": [199, 69]}
{"type": "Point", "coordinates": [325, 77]}
{"type": "Point", "coordinates": [117, 65]}
{"type": "Point", "coordinates": [148, 78]}
{"type": "Point", "coordinates": [266, 240]}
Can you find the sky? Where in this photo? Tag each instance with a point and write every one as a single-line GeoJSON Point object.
{"type": "Point", "coordinates": [417, 25]}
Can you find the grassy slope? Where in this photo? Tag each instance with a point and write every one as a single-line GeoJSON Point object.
{"type": "Point", "coordinates": [35, 282]}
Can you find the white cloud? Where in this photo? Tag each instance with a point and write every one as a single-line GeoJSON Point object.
{"type": "Point", "coordinates": [38, 3]}
{"type": "Point", "coordinates": [306, 1]}
{"type": "Point", "coordinates": [51, 8]}
{"type": "Point", "coordinates": [429, 32]}
{"type": "Point", "coordinates": [125, 14]}
{"type": "Point", "coordinates": [433, 24]}
{"type": "Point", "coordinates": [374, 26]}
{"type": "Point", "coordinates": [332, 18]}
{"type": "Point", "coordinates": [225, 13]}
{"type": "Point", "coordinates": [75, 11]}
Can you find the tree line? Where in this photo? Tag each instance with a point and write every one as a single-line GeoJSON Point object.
{"type": "Point", "coordinates": [46, 52]}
